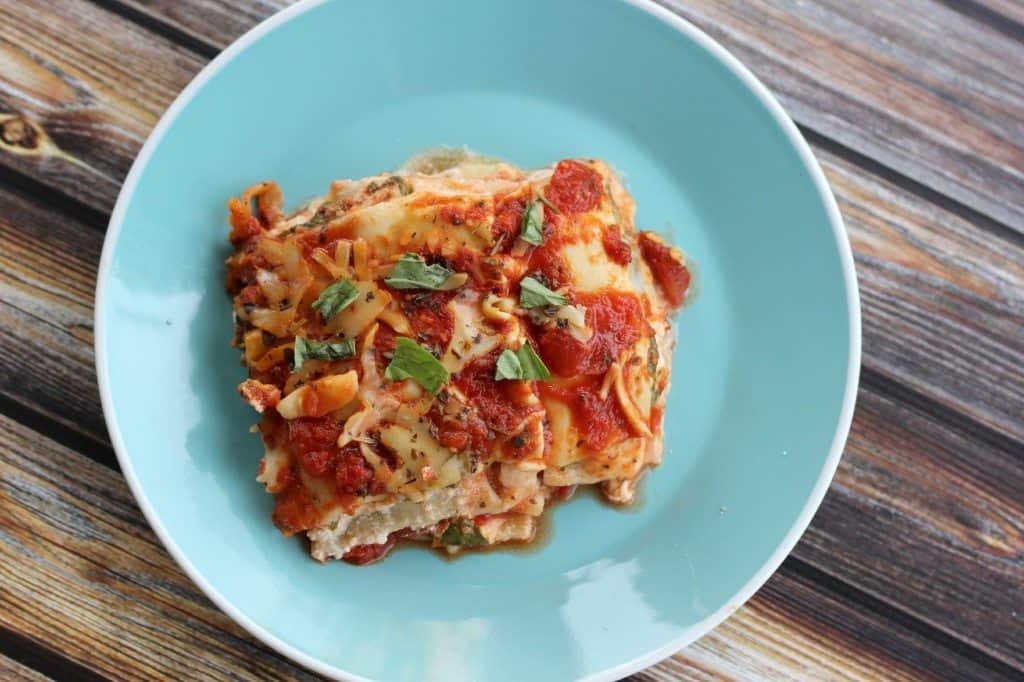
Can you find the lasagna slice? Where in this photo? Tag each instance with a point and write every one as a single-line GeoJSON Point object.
{"type": "Point", "coordinates": [438, 353]}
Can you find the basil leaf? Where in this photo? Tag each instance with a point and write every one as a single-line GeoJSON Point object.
{"type": "Point", "coordinates": [521, 364]}
{"type": "Point", "coordinates": [533, 366]}
{"type": "Point", "coordinates": [533, 294]}
{"type": "Point", "coordinates": [306, 349]}
{"type": "Point", "coordinates": [531, 230]}
{"type": "Point", "coordinates": [413, 361]}
{"type": "Point", "coordinates": [335, 298]}
{"type": "Point", "coordinates": [412, 272]}
{"type": "Point", "coordinates": [463, 534]}
{"type": "Point", "coordinates": [508, 366]}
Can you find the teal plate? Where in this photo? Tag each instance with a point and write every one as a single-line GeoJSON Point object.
{"type": "Point", "coordinates": [763, 380]}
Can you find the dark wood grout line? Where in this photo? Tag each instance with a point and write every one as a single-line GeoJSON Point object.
{"type": "Point", "coordinates": [988, 16]}
{"type": "Point", "coordinates": [42, 659]}
{"type": "Point", "coordinates": [797, 567]}
{"type": "Point", "coordinates": [968, 426]}
{"type": "Point", "coordinates": [34, 190]}
{"type": "Point", "coordinates": [99, 451]}
{"type": "Point", "coordinates": [991, 226]}
{"type": "Point", "coordinates": [161, 27]}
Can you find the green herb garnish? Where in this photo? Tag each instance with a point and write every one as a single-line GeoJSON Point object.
{"type": "Point", "coordinates": [413, 361]}
{"type": "Point", "coordinates": [521, 364]}
{"type": "Point", "coordinates": [306, 349]}
{"type": "Point", "coordinates": [531, 230]}
{"type": "Point", "coordinates": [463, 534]}
{"type": "Point", "coordinates": [336, 298]}
{"type": "Point", "coordinates": [533, 294]}
{"type": "Point", "coordinates": [412, 272]}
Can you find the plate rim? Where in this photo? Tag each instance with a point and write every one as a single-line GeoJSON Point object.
{"type": "Point", "coordinates": [691, 634]}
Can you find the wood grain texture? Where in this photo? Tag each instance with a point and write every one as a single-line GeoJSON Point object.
{"type": "Point", "coordinates": [915, 85]}
{"type": "Point", "coordinates": [942, 301]}
{"type": "Point", "coordinates": [750, 646]}
{"type": "Point", "coordinates": [913, 568]}
{"type": "Point", "coordinates": [928, 519]}
{"type": "Point", "coordinates": [82, 88]}
{"type": "Point", "coordinates": [12, 671]}
{"type": "Point", "coordinates": [47, 278]}
{"type": "Point", "coordinates": [80, 569]}
{"type": "Point", "coordinates": [1012, 10]}
{"type": "Point", "coordinates": [923, 89]}
{"type": "Point", "coordinates": [971, 301]}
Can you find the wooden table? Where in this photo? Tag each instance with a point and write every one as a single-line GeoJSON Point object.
{"type": "Point", "coordinates": [913, 567]}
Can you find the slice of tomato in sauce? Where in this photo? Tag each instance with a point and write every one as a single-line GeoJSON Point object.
{"type": "Point", "coordinates": [574, 187]}
{"type": "Point", "coordinates": [600, 422]}
{"type": "Point", "coordinates": [666, 264]}
{"type": "Point", "coordinates": [617, 322]}
{"type": "Point", "coordinates": [429, 316]}
{"type": "Point", "coordinates": [615, 247]}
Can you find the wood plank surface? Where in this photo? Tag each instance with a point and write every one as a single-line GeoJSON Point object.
{"type": "Point", "coordinates": [82, 88]}
{"type": "Point", "coordinates": [81, 570]}
{"type": "Point", "coordinates": [12, 671]}
{"type": "Point", "coordinates": [921, 88]}
{"type": "Point", "coordinates": [1010, 10]}
{"type": "Point", "coordinates": [914, 566]}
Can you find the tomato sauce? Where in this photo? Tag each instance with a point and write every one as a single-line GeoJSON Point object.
{"type": "Point", "coordinates": [429, 316]}
{"type": "Point", "coordinates": [615, 247]}
{"type": "Point", "coordinates": [617, 322]}
{"type": "Point", "coordinates": [574, 187]}
{"type": "Point", "coordinates": [671, 276]}
{"type": "Point", "coordinates": [600, 422]}
{"type": "Point", "coordinates": [547, 260]}
{"type": "Point", "coordinates": [252, 295]}
{"type": "Point", "coordinates": [308, 434]}
{"type": "Point", "coordinates": [499, 408]}
{"type": "Point", "coordinates": [508, 218]}
{"type": "Point", "coordinates": [294, 510]}
{"type": "Point", "coordinates": [352, 475]}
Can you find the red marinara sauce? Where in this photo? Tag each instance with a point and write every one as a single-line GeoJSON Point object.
{"type": "Point", "coordinates": [508, 218]}
{"type": "Point", "coordinates": [671, 276]}
{"type": "Point", "coordinates": [617, 321]}
{"type": "Point", "coordinates": [429, 316]}
{"type": "Point", "coordinates": [600, 422]}
{"type": "Point", "coordinates": [314, 441]}
{"type": "Point", "coordinates": [575, 187]}
{"type": "Point", "coordinates": [615, 247]}
{"type": "Point", "coordinates": [498, 407]}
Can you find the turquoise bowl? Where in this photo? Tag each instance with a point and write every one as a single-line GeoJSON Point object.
{"type": "Point", "coordinates": [763, 380]}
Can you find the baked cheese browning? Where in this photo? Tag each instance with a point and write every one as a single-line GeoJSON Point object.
{"type": "Point", "coordinates": [437, 353]}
